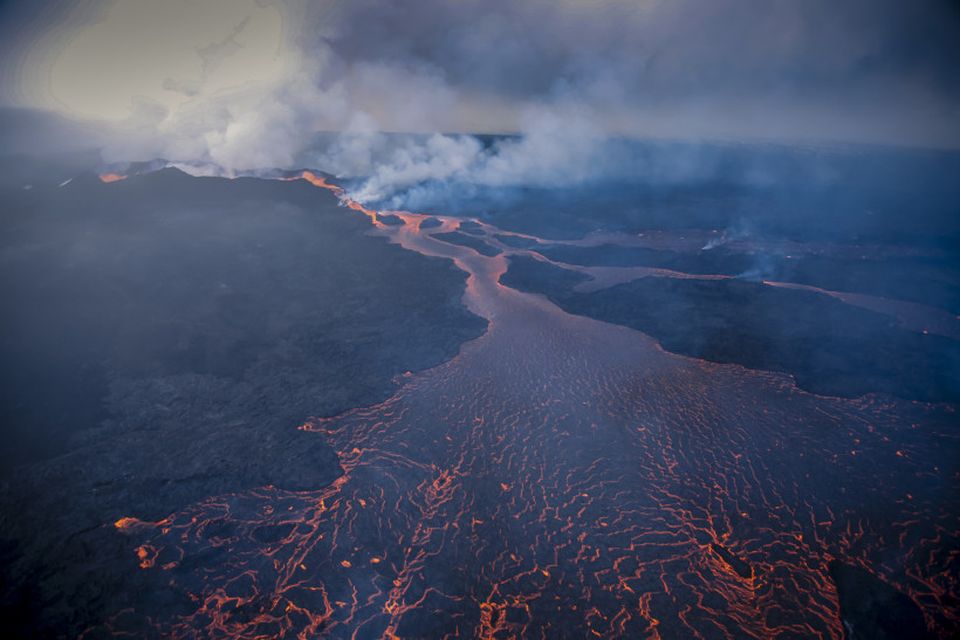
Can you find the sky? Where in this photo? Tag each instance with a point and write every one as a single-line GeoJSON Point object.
{"type": "Point", "coordinates": [242, 84]}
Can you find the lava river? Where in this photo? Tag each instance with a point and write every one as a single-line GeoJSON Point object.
{"type": "Point", "coordinates": [563, 477]}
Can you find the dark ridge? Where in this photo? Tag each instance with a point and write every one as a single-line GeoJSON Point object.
{"type": "Point", "coordinates": [430, 223]}
{"type": "Point", "coordinates": [478, 245]}
{"type": "Point", "coordinates": [471, 227]}
{"type": "Point", "coordinates": [741, 567]}
{"type": "Point", "coordinates": [829, 347]}
{"type": "Point", "coordinates": [537, 276]}
{"type": "Point", "coordinates": [930, 280]}
{"type": "Point", "coordinates": [389, 219]}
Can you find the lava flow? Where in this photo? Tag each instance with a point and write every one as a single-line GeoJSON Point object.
{"type": "Point", "coordinates": [562, 477]}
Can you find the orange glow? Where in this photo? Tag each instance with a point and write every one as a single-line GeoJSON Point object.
{"type": "Point", "coordinates": [111, 177]}
{"type": "Point", "coordinates": [129, 523]}
{"type": "Point", "coordinates": [147, 556]}
{"type": "Point", "coordinates": [680, 524]}
{"type": "Point", "coordinates": [317, 181]}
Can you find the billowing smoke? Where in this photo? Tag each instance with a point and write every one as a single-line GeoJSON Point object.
{"type": "Point", "coordinates": [554, 149]}
{"type": "Point", "coordinates": [243, 85]}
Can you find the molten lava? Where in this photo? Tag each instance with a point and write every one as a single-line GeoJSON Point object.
{"type": "Point", "coordinates": [565, 477]}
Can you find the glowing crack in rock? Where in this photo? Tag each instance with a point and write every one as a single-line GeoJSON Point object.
{"type": "Point", "coordinates": [566, 477]}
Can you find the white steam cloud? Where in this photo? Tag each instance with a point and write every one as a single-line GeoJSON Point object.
{"type": "Point", "coordinates": [243, 85]}
{"type": "Point", "coordinates": [555, 149]}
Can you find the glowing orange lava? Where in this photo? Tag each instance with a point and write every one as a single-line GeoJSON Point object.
{"type": "Point", "coordinates": [564, 477]}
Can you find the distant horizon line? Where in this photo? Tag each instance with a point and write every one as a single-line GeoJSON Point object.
{"type": "Point", "coordinates": [104, 127]}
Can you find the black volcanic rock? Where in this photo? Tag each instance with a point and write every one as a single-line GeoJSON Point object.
{"type": "Point", "coordinates": [471, 227]}
{"type": "Point", "coordinates": [389, 219]}
{"type": "Point", "coordinates": [169, 335]}
{"type": "Point", "coordinates": [611, 255]}
{"type": "Point", "coordinates": [743, 569]}
{"type": "Point", "coordinates": [478, 245]}
{"type": "Point", "coordinates": [829, 347]}
{"type": "Point", "coordinates": [518, 242]}
{"type": "Point", "coordinates": [873, 610]}
{"type": "Point", "coordinates": [430, 223]}
{"type": "Point", "coordinates": [927, 279]}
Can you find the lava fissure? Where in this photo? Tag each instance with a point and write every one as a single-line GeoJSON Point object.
{"type": "Point", "coordinates": [562, 477]}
